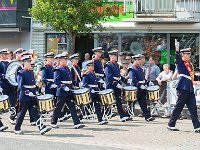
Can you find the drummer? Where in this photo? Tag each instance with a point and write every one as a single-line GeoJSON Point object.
{"type": "Point", "coordinates": [8, 89]}
{"type": "Point", "coordinates": [75, 71]}
{"type": "Point", "coordinates": [91, 81]}
{"type": "Point", "coordinates": [137, 76]}
{"type": "Point", "coordinates": [63, 80]}
{"type": "Point", "coordinates": [27, 87]}
{"type": "Point", "coordinates": [48, 74]}
{"type": "Point", "coordinates": [98, 67]}
{"type": "Point", "coordinates": [113, 79]}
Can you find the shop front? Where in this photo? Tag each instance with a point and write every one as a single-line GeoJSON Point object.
{"type": "Point", "coordinates": [159, 45]}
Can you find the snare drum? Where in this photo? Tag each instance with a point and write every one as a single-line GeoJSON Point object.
{"type": "Point", "coordinates": [82, 96]}
{"type": "Point", "coordinates": [130, 93]}
{"type": "Point", "coordinates": [153, 93]}
{"type": "Point", "coordinates": [4, 103]}
{"type": "Point", "coordinates": [107, 97]}
{"type": "Point", "coordinates": [45, 103]}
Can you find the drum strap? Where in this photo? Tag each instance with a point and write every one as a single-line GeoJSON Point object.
{"type": "Point", "coordinates": [76, 73]}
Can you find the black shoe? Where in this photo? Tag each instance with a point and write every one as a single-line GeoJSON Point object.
{"type": "Point", "coordinates": [172, 128]}
{"type": "Point", "coordinates": [150, 119]}
{"type": "Point", "coordinates": [197, 130]}
{"type": "Point", "coordinates": [45, 130]}
{"type": "Point", "coordinates": [3, 128]}
{"type": "Point", "coordinates": [78, 126]}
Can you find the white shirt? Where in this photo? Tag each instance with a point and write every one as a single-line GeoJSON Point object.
{"type": "Point", "coordinates": [165, 76]}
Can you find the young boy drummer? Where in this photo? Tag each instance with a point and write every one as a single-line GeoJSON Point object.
{"type": "Point", "coordinates": [90, 81]}
{"type": "Point", "coordinates": [27, 87]}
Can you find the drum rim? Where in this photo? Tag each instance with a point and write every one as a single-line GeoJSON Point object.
{"type": "Point", "coordinates": [106, 91]}
{"type": "Point", "coordinates": [153, 89]}
{"type": "Point", "coordinates": [81, 92]}
{"type": "Point", "coordinates": [48, 96]}
{"type": "Point", "coordinates": [6, 97]}
{"type": "Point", "coordinates": [125, 88]}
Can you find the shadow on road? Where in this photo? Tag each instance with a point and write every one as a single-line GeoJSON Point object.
{"type": "Point", "coordinates": [68, 135]}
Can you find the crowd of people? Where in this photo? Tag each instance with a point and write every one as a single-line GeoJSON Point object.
{"type": "Point", "coordinates": [60, 76]}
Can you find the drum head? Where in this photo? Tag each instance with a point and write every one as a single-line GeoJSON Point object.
{"type": "Point", "coordinates": [44, 97]}
{"type": "Point", "coordinates": [153, 88]}
{"type": "Point", "coordinates": [3, 97]}
{"type": "Point", "coordinates": [10, 72]}
{"type": "Point", "coordinates": [81, 91]}
{"type": "Point", "coordinates": [105, 91]}
{"type": "Point", "coordinates": [130, 88]}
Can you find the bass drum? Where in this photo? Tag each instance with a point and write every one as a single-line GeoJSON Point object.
{"type": "Point", "coordinates": [10, 72]}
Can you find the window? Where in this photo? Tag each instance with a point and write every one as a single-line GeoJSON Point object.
{"type": "Point", "coordinates": [148, 44]}
{"type": "Point", "coordinates": [56, 43]}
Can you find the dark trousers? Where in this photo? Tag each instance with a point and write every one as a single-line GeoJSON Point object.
{"type": "Point", "coordinates": [120, 110]}
{"type": "Point", "coordinates": [61, 100]}
{"type": "Point", "coordinates": [23, 107]}
{"type": "Point", "coordinates": [1, 124]}
{"type": "Point", "coordinates": [141, 94]}
{"type": "Point", "coordinates": [97, 106]}
{"type": "Point", "coordinates": [64, 111]}
{"type": "Point", "coordinates": [163, 92]}
{"type": "Point", "coordinates": [188, 98]}
{"type": "Point", "coordinates": [11, 92]}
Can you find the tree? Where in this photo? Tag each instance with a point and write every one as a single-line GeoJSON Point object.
{"type": "Point", "coordinates": [72, 16]}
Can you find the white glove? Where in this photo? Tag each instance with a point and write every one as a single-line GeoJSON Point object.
{"type": "Point", "coordinates": [53, 86]}
{"type": "Point", "coordinates": [101, 81]}
{"type": "Point", "coordinates": [142, 87]}
{"type": "Point", "coordinates": [92, 91]}
{"type": "Point", "coordinates": [42, 90]}
{"type": "Point", "coordinates": [129, 81]}
{"type": "Point", "coordinates": [104, 85]}
{"type": "Point", "coordinates": [1, 90]}
{"type": "Point", "coordinates": [151, 83]}
{"type": "Point", "coordinates": [31, 94]}
{"type": "Point", "coordinates": [119, 86]}
{"type": "Point", "coordinates": [66, 89]}
{"type": "Point", "coordinates": [80, 84]}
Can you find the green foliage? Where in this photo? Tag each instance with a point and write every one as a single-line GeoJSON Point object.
{"type": "Point", "coordinates": [71, 16]}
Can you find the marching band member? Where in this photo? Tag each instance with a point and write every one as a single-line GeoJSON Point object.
{"type": "Point", "coordinates": [27, 87]}
{"type": "Point", "coordinates": [63, 80]}
{"type": "Point", "coordinates": [8, 89]}
{"type": "Point", "coordinates": [90, 81]}
{"type": "Point", "coordinates": [113, 78]}
{"type": "Point", "coordinates": [98, 68]}
{"type": "Point", "coordinates": [76, 71]}
{"type": "Point", "coordinates": [185, 90]}
{"type": "Point", "coordinates": [137, 77]}
{"type": "Point", "coordinates": [48, 74]}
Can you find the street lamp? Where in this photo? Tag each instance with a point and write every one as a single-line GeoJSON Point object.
{"type": "Point", "coordinates": [31, 29]}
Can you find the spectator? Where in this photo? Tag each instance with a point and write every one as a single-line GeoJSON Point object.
{"type": "Point", "coordinates": [164, 76]}
{"type": "Point", "coordinates": [87, 57]}
{"type": "Point", "coordinates": [152, 71]}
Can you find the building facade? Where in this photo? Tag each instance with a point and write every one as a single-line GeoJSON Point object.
{"type": "Point", "coordinates": [143, 26]}
{"type": "Point", "coordinates": [15, 24]}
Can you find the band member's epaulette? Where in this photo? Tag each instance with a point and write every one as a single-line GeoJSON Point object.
{"type": "Point", "coordinates": [107, 64]}
{"type": "Point", "coordinates": [21, 71]}
{"type": "Point", "coordinates": [85, 73]}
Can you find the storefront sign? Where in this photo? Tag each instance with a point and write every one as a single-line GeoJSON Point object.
{"type": "Point", "coordinates": [118, 9]}
{"type": "Point", "coordinates": [8, 12]}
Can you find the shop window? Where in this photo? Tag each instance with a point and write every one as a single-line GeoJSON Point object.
{"type": "Point", "coordinates": [56, 43]}
{"type": "Point", "coordinates": [186, 40]}
{"type": "Point", "coordinates": [108, 41]}
{"type": "Point", "coordinates": [154, 45]}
